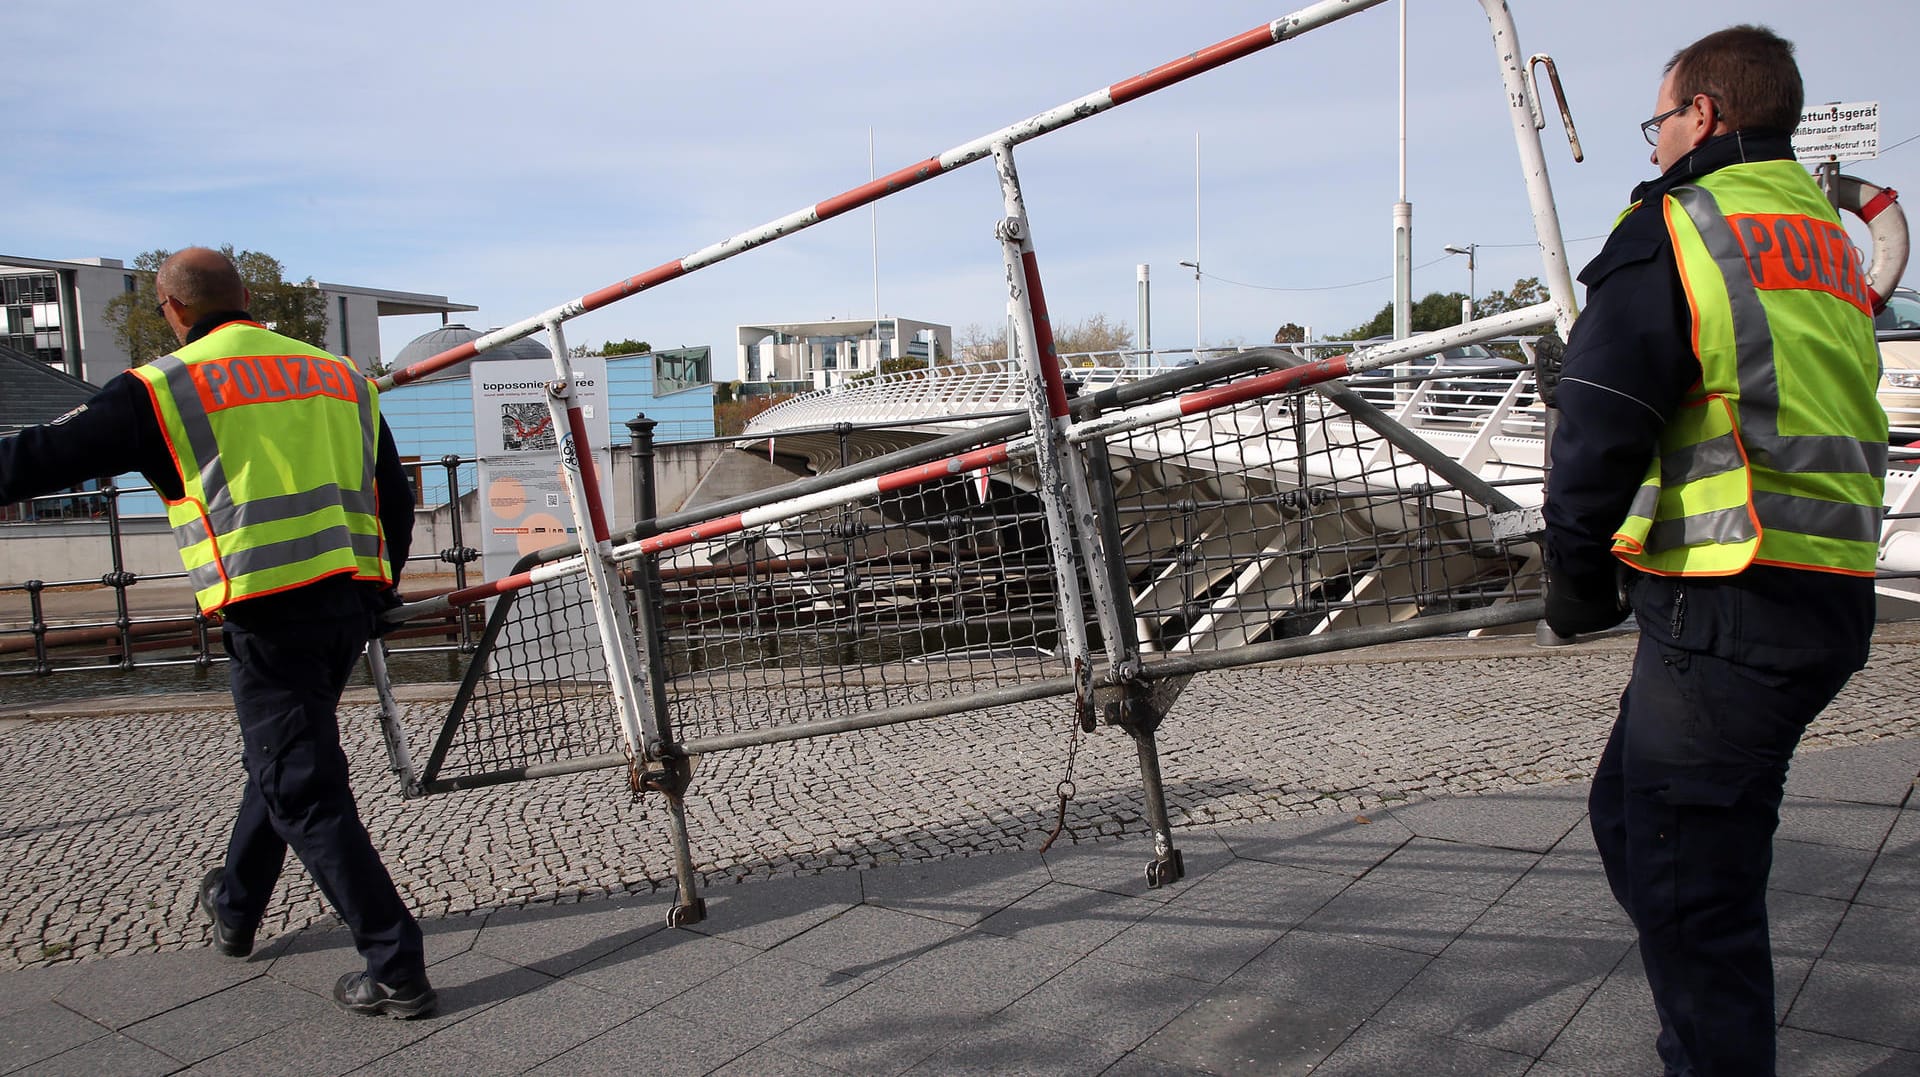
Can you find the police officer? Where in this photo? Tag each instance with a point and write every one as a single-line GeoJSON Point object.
{"type": "Point", "coordinates": [292, 514]}
{"type": "Point", "coordinates": [1718, 472]}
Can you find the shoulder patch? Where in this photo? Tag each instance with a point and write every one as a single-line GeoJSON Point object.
{"type": "Point", "coordinates": [69, 415]}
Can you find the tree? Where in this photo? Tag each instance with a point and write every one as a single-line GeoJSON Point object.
{"type": "Point", "coordinates": [1437, 311]}
{"type": "Point", "coordinates": [1289, 333]}
{"type": "Point", "coordinates": [298, 310]}
{"type": "Point", "coordinates": [139, 330]}
{"type": "Point", "coordinates": [1525, 292]}
{"type": "Point", "coordinates": [902, 362]}
{"type": "Point", "coordinates": [1093, 334]}
{"type": "Point", "coordinates": [976, 344]}
{"type": "Point", "coordinates": [611, 348]}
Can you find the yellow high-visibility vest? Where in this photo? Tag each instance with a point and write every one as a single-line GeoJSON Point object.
{"type": "Point", "coordinates": [1779, 455]}
{"type": "Point", "coordinates": [275, 443]}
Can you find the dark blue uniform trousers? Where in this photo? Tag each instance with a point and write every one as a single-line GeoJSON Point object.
{"type": "Point", "coordinates": [1684, 807]}
{"type": "Point", "coordinates": [287, 681]}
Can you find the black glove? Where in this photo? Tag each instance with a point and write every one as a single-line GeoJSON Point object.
{"type": "Point", "coordinates": [387, 598]}
{"type": "Point", "coordinates": [1590, 602]}
{"type": "Point", "coordinates": [1549, 352]}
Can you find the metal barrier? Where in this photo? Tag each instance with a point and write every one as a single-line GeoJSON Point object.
{"type": "Point", "coordinates": [1234, 516]}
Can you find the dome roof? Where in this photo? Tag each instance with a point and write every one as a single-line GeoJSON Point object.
{"type": "Point", "coordinates": [427, 345]}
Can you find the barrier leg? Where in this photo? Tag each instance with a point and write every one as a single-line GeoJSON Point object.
{"type": "Point", "coordinates": [1131, 707]}
{"type": "Point", "coordinates": [399, 761]}
{"type": "Point", "coordinates": [633, 671]}
{"type": "Point", "coordinates": [670, 778]}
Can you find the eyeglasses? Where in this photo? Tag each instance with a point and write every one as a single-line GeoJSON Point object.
{"type": "Point", "coordinates": [160, 309]}
{"type": "Point", "coordinates": [1651, 128]}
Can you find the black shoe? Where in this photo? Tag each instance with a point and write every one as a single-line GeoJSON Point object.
{"type": "Point", "coordinates": [358, 993]}
{"type": "Point", "coordinates": [230, 941]}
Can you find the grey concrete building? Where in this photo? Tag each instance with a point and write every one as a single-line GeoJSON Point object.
{"type": "Point", "coordinates": [53, 309]}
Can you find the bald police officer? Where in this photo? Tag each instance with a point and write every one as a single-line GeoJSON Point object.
{"type": "Point", "coordinates": [293, 518]}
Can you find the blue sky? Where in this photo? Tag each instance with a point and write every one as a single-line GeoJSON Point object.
{"type": "Point", "coordinates": [516, 156]}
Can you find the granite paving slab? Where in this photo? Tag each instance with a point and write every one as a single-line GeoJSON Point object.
{"type": "Point", "coordinates": [223, 1020]}
{"type": "Point", "coordinates": [1535, 821]}
{"type": "Point", "coordinates": [1004, 1048]}
{"type": "Point", "coordinates": [43, 1030]}
{"type": "Point", "coordinates": [1237, 1030]}
{"type": "Point", "coordinates": [1422, 921]}
{"type": "Point", "coordinates": [1075, 919]}
{"type": "Point", "coordinates": [657, 1044]}
{"type": "Point", "coordinates": [556, 939]}
{"type": "Point", "coordinates": [866, 942]}
{"type": "Point", "coordinates": [1857, 774]}
{"type": "Point", "coordinates": [878, 1031]}
{"type": "Point", "coordinates": [760, 998]}
{"type": "Point", "coordinates": [662, 965]}
{"type": "Point", "coordinates": [1511, 981]}
{"type": "Point", "coordinates": [1107, 1002]}
{"type": "Point", "coordinates": [963, 891]}
{"type": "Point", "coordinates": [1344, 844]}
{"type": "Point", "coordinates": [116, 1054]}
{"type": "Point", "coordinates": [1379, 1049]}
{"type": "Point", "coordinates": [1860, 1002]}
{"type": "Point", "coordinates": [1892, 882]}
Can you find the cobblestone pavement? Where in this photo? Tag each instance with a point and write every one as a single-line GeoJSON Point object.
{"type": "Point", "coordinates": [107, 822]}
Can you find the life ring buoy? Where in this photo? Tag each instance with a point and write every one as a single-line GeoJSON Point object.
{"type": "Point", "coordinates": [1879, 209]}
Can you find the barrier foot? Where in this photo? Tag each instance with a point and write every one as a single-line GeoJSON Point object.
{"type": "Point", "coordinates": [1166, 866]}
{"type": "Point", "coordinates": [690, 908]}
{"type": "Point", "coordinates": [671, 780]}
{"type": "Point", "coordinates": [1135, 713]}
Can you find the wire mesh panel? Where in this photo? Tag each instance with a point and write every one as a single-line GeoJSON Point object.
{"type": "Point", "coordinates": [897, 598]}
{"type": "Point", "coordinates": [536, 692]}
{"type": "Point", "coordinates": [1285, 517]}
{"type": "Point", "coordinates": [1279, 517]}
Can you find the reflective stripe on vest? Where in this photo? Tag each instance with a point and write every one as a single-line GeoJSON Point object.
{"type": "Point", "coordinates": [299, 515]}
{"type": "Point", "coordinates": [1729, 487]}
{"type": "Point", "coordinates": [1754, 360]}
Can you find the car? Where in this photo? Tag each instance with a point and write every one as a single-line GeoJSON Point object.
{"type": "Point", "coordinates": [1461, 380]}
{"type": "Point", "coordinates": [1898, 329]}
{"type": "Point", "coordinates": [1091, 379]}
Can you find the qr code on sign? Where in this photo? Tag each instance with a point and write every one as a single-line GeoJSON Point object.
{"type": "Point", "coordinates": [526, 428]}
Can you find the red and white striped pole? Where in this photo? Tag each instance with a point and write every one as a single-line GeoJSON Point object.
{"type": "Point", "coordinates": [974, 460]}
{"type": "Point", "coordinates": [1193, 403]}
{"type": "Point", "coordinates": [1047, 406]}
{"type": "Point", "coordinates": [1289, 26]}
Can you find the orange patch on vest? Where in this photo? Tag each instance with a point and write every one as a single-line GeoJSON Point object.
{"type": "Point", "coordinates": [260, 379]}
{"type": "Point", "coordinates": [1787, 250]}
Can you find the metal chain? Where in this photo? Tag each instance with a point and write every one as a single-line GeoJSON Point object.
{"type": "Point", "coordinates": [1066, 790]}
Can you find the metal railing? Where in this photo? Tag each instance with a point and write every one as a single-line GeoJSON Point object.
{"type": "Point", "coordinates": [107, 621]}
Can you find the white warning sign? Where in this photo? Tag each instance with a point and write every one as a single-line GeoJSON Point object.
{"type": "Point", "coordinates": [1848, 131]}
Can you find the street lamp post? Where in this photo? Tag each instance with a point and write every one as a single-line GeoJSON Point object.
{"type": "Point", "coordinates": [1469, 250]}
